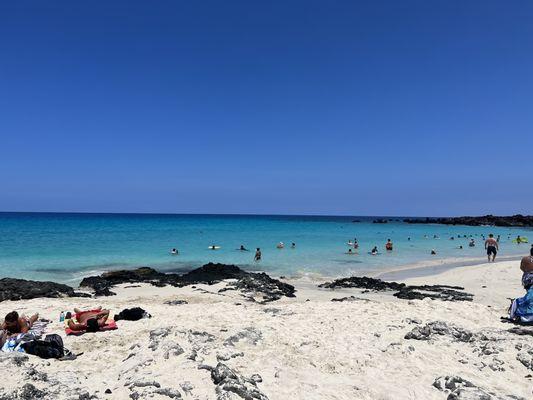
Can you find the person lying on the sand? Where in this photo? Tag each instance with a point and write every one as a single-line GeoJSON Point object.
{"type": "Point", "coordinates": [90, 321]}
{"type": "Point", "coordinates": [15, 324]}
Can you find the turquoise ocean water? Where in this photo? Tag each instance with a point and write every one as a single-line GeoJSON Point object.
{"type": "Point", "coordinates": [66, 247]}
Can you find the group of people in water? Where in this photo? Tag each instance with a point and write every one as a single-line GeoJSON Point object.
{"type": "Point", "coordinates": [491, 245]}
{"type": "Point", "coordinates": [257, 256]}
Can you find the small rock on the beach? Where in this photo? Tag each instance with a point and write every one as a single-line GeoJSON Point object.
{"type": "Point", "coordinates": [439, 328]}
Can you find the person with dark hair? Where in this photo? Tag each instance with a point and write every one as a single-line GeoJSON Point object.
{"type": "Point", "coordinates": [15, 324]}
{"type": "Point", "coordinates": [491, 245]}
{"type": "Point", "coordinates": [90, 321]}
{"type": "Point", "coordinates": [257, 256]}
{"type": "Point", "coordinates": [388, 245]}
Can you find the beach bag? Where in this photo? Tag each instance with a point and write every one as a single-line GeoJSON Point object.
{"type": "Point", "coordinates": [132, 314]}
{"type": "Point", "coordinates": [50, 347]}
{"type": "Point", "coordinates": [522, 308]}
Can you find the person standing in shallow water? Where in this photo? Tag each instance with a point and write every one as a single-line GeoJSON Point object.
{"type": "Point", "coordinates": [491, 245]}
{"type": "Point", "coordinates": [257, 256]}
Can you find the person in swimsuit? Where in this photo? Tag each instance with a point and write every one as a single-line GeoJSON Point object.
{"type": "Point", "coordinates": [243, 248]}
{"type": "Point", "coordinates": [388, 245]}
{"type": "Point", "coordinates": [14, 324]}
{"type": "Point", "coordinates": [491, 245]}
{"type": "Point", "coordinates": [374, 251]}
{"type": "Point", "coordinates": [89, 321]}
{"type": "Point", "coordinates": [257, 256]}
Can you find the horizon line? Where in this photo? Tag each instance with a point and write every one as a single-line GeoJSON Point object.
{"type": "Point", "coordinates": [247, 214]}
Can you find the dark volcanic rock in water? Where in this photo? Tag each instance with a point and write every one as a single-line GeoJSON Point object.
{"type": "Point", "coordinates": [18, 289]}
{"type": "Point", "coordinates": [403, 291]}
{"type": "Point", "coordinates": [272, 289]}
{"type": "Point", "coordinates": [492, 220]}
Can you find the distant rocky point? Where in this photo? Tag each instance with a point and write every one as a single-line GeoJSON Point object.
{"type": "Point", "coordinates": [489, 220]}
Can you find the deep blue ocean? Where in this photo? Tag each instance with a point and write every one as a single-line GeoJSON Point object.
{"type": "Point", "coordinates": [65, 247]}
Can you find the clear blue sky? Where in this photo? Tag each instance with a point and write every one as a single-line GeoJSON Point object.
{"type": "Point", "coordinates": [360, 108]}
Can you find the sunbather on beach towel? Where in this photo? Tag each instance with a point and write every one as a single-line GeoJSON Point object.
{"type": "Point", "coordinates": [15, 324]}
{"type": "Point", "coordinates": [89, 321]}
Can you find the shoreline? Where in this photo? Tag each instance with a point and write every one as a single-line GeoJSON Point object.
{"type": "Point", "coordinates": [402, 272]}
{"type": "Point", "coordinates": [416, 271]}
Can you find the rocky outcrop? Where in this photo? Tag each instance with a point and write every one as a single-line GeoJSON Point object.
{"type": "Point", "coordinates": [362, 282]}
{"type": "Point", "coordinates": [491, 220]}
{"type": "Point", "coordinates": [271, 289]}
{"type": "Point", "coordinates": [439, 328]}
{"type": "Point", "coordinates": [19, 289]}
{"type": "Point", "coordinates": [462, 389]}
{"type": "Point", "coordinates": [403, 291]}
{"type": "Point", "coordinates": [229, 381]}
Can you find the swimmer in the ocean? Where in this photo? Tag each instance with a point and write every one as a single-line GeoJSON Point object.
{"type": "Point", "coordinates": [242, 248]}
{"type": "Point", "coordinates": [374, 251]}
{"type": "Point", "coordinates": [433, 252]}
{"type": "Point", "coordinates": [257, 256]}
{"type": "Point", "coordinates": [174, 251]}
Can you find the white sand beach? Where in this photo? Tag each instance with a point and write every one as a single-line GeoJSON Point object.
{"type": "Point", "coordinates": [306, 347]}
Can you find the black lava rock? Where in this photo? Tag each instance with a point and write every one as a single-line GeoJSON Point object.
{"type": "Point", "coordinates": [272, 289]}
{"type": "Point", "coordinates": [19, 289]}
{"type": "Point", "coordinates": [492, 220]}
{"type": "Point", "coordinates": [403, 291]}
